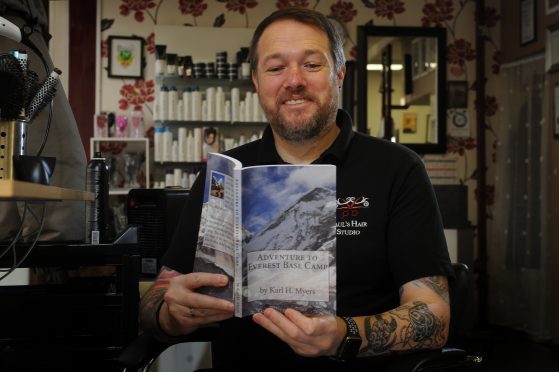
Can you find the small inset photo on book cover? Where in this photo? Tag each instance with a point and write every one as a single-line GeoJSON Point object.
{"type": "Point", "coordinates": [210, 142]}
{"type": "Point", "coordinates": [217, 188]}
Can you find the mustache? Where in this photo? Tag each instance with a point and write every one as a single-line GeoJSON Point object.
{"type": "Point", "coordinates": [296, 94]}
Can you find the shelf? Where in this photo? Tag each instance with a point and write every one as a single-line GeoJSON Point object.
{"type": "Point", "coordinates": [180, 163]}
{"type": "Point", "coordinates": [18, 190]}
{"type": "Point", "coordinates": [136, 144]}
{"type": "Point", "coordinates": [119, 191]}
{"type": "Point", "coordinates": [119, 139]}
{"type": "Point", "coordinates": [203, 82]}
{"type": "Point", "coordinates": [199, 123]}
{"type": "Point", "coordinates": [70, 254]}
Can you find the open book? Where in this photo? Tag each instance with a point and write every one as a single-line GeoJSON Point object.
{"type": "Point", "coordinates": [272, 230]}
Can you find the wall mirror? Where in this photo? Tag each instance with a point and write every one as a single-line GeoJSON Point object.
{"type": "Point", "coordinates": [401, 80]}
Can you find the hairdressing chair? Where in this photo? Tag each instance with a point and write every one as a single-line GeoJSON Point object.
{"type": "Point", "coordinates": [142, 352]}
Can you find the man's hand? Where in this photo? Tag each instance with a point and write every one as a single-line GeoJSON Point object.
{"type": "Point", "coordinates": [172, 306]}
{"type": "Point", "coordinates": [184, 310]}
{"type": "Point", "coordinates": [307, 336]}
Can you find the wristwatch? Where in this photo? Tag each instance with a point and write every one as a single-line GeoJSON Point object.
{"type": "Point", "coordinates": [351, 343]}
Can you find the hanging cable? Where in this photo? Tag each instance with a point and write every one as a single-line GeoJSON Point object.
{"type": "Point", "coordinates": [31, 246]}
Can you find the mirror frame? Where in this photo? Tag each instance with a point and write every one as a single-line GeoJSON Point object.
{"type": "Point", "coordinates": [363, 32]}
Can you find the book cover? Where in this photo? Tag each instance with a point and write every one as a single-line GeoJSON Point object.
{"type": "Point", "coordinates": [271, 230]}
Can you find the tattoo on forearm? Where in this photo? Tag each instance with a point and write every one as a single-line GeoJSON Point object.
{"type": "Point", "coordinates": [152, 299]}
{"type": "Point", "coordinates": [148, 309]}
{"type": "Point", "coordinates": [381, 334]}
{"type": "Point", "coordinates": [408, 327]}
{"type": "Point", "coordinates": [424, 330]}
{"type": "Point", "coordinates": [438, 284]}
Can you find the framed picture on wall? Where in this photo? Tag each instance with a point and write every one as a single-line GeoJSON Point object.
{"type": "Point", "coordinates": [552, 49]}
{"type": "Point", "coordinates": [409, 122]}
{"type": "Point", "coordinates": [556, 111]}
{"type": "Point", "coordinates": [126, 57]}
{"type": "Point", "coordinates": [551, 6]}
{"type": "Point", "coordinates": [527, 21]}
{"type": "Point", "coordinates": [457, 93]}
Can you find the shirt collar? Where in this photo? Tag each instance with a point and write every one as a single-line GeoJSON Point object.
{"type": "Point", "coordinates": [267, 153]}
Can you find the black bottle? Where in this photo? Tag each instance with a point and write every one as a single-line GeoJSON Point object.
{"type": "Point", "coordinates": [97, 210]}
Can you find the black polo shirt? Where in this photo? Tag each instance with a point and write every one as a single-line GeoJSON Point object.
{"type": "Point", "coordinates": [389, 232]}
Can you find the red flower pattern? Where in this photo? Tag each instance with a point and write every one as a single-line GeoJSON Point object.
{"type": "Point", "coordinates": [389, 8]}
{"type": "Point", "coordinates": [457, 70]}
{"type": "Point", "coordinates": [460, 51]}
{"type": "Point", "coordinates": [280, 4]}
{"type": "Point", "coordinates": [136, 6]}
{"type": "Point", "coordinates": [343, 11]}
{"type": "Point", "coordinates": [491, 105]}
{"type": "Point", "coordinates": [494, 153]}
{"type": "Point", "coordinates": [437, 13]}
{"type": "Point", "coordinates": [194, 7]}
{"type": "Point", "coordinates": [489, 194]}
{"type": "Point", "coordinates": [460, 145]}
{"type": "Point", "coordinates": [491, 17]}
{"type": "Point", "coordinates": [240, 5]}
{"type": "Point", "coordinates": [105, 48]}
{"type": "Point", "coordinates": [150, 43]}
{"type": "Point", "coordinates": [137, 94]}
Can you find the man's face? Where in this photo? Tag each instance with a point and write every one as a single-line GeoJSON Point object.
{"type": "Point", "coordinates": [296, 80]}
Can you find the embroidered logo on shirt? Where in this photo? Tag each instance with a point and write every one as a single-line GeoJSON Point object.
{"type": "Point", "coordinates": [350, 204]}
{"type": "Point", "coordinates": [348, 209]}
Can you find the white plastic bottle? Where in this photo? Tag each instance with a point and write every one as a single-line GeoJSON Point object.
{"type": "Point", "coordinates": [196, 105]}
{"type": "Point", "coordinates": [158, 144]}
{"type": "Point", "coordinates": [186, 104]}
{"type": "Point", "coordinates": [173, 101]}
{"type": "Point", "coordinates": [210, 104]}
{"type": "Point", "coordinates": [235, 103]}
{"type": "Point", "coordinates": [163, 103]}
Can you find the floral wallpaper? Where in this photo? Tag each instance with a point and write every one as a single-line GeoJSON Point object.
{"type": "Point", "coordinates": [138, 17]}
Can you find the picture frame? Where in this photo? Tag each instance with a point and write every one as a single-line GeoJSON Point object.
{"type": "Point", "coordinates": [527, 21]}
{"type": "Point", "coordinates": [126, 57]}
{"type": "Point", "coordinates": [409, 122]}
{"type": "Point", "coordinates": [457, 93]}
{"type": "Point", "coordinates": [552, 48]}
{"type": "Point", "coordinates": [556, 111]}
{"type": "Point", "coordinates": [551, 6]}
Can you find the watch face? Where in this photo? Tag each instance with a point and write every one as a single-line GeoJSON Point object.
{"type": "Point", "coordinates": [352, 341]}
{"type": "Point", "coordinates": [350, 348]}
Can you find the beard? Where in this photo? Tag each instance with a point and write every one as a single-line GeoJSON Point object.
{"type": "Point", "coordinates": [300, 129]}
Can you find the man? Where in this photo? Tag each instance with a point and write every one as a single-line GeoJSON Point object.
{"type": "Point", "coordinates": [392, 263]}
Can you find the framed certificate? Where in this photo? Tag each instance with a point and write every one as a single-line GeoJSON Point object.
{"type": "Point", "coordinates": [527, 21]}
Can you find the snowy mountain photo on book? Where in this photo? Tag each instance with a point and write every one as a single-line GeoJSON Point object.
{"type": "Point", "coordinates": [271, 229]}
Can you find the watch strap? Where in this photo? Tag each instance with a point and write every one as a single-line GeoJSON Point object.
{"type": "Point", "coordinates": [352, 329]}
{"type": "Point", "coordinates": [350, 345]}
